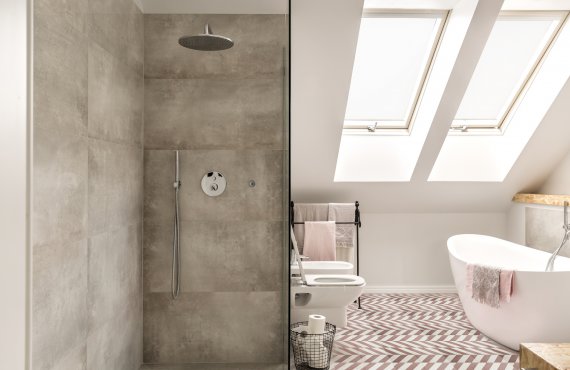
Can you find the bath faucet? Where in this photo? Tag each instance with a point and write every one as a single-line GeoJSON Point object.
{"type": "Point", "coordinates": [566, 227]}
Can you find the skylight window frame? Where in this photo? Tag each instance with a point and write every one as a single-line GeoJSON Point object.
{"type": "Point", "coordinates": [365, 128]}
{"type": "Point", "coordinates": [517, 97]}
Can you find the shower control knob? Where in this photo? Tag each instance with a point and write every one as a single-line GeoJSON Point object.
{"type": "Point", "coordinates": [213, 183]}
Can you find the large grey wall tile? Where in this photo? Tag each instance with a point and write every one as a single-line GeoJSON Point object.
{"type": "Point", "coordinates": [74, 359]}
{"type": "Point", "coordinates": [222, 327]}
{"type": "Point", "coordinates": [230, 256]}
{"type": "Point", "coordinates": [60, 187]}
{"type": "Point", "coordinates": [213, 114]}
{"type": "Point", "coordinates": [157, 257]}
{"type": "Point", "coordinates": [543, 228]}
{"type": "Point", "coordinates": [115, 185]}
{"type": "Point", "coordinates": [258, 51]}
{"type": "Point", "coordinates": [117, 26]}
{"type": "Point", "coordinates": [57, 11]}
{"type": "Point", "coordinates": [88, 81]}
{"type": "Point", "coordinates": [60, 75]}
{"type": "Point", "coordinates": [265, 200]}
{"type": "Point", "coordinates": [115, 98]}
{"type": "Point", "coordinates": [239, 201]}
{"type": "Point", "coordinates": [158, 189]}
{"type": "Point", "coordinates": [115, 345]}
{"type": "Point", "coordinates": [59, 304]}
{"type": "Point", "coordinates": [114, 274]}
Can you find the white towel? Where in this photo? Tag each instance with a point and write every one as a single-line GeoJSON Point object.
{"type": "Point", "coordinates": [308, 212]}
{"type": "Point", "coordinates": [345, 234]}
{"type": "Point", "coordinates": [485, 286]}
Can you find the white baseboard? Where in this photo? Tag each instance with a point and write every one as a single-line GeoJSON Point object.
{"type": "Point", "coordinates": [410, 289]}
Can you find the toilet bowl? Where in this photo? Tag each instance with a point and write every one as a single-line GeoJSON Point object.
{"type": "Point", "coordinates": [327, 295]}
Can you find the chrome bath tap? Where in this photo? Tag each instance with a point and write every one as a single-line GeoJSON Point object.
{"type": "Point", "coordinates": [566, 226]}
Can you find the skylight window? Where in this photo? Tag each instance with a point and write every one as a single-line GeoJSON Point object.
{"type": "Point", "coordinates": [393, 56]}
{"type": "Point", "coordinates": [512, 55]}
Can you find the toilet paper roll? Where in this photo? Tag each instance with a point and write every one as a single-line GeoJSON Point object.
{"type": "Point", "coordinates": [317, 324]}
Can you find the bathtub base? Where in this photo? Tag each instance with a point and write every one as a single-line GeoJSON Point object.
{"type": "Point", "coordinates": [539, 307]}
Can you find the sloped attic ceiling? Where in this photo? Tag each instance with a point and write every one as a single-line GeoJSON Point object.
{"type": "Point", "coordinates": [324, 36]}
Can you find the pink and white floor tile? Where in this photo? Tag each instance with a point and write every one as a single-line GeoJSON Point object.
{"type": "Point", "coordinates": [415, 331]}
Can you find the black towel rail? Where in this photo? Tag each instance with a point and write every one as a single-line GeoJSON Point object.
{"type": "Point", "coordinates": [357, 222]}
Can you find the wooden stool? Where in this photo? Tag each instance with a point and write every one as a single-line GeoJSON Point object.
{"type": "Point", "coordinates": [545, 356]}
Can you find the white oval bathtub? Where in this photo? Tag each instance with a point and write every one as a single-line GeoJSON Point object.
{"type": "Point", "coordinates": [539, 310]}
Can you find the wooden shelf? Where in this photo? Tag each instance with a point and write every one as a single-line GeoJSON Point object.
{"type": "Point", "coordinates": [545, 356]}
{"type": "Point", "coordinates": [546, 199]}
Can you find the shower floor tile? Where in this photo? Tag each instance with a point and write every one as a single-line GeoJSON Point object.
{"type": "Point", "coordinates": [415, 331]}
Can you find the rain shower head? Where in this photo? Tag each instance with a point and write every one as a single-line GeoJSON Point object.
{"type": "Point", "coordinates": [206, 41]}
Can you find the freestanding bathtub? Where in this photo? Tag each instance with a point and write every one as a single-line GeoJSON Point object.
{"type": "Point", "coordinates": [539, 310]}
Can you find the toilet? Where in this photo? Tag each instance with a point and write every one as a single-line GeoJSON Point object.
{"type": "Point", "coordinates": [323, 268]}
{"type": "Point", "coordinates": [327, 295]}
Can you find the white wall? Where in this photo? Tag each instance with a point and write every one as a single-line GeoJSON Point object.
{"type": "Point", "coordinates": [559, 180]}
{"type": "Point", "coordinates": [408, 252]}
{"type": "Point", "coordinates": [13, 187]}
{"type": "Point", "coordinates": [516, 223]}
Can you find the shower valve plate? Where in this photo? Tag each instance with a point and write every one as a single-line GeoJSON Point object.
{"type": "Point", "coordinates": [213, 183]}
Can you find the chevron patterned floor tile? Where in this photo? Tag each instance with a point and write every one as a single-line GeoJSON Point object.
{"type": "Point", "coordinates": [415, 331]}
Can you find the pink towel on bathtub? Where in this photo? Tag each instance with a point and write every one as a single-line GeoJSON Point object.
{"type": "Point", "coordinates": [320, 241]}
{"type": "Point", "coordinates": [489, 285]}
{"type": "Point", "coordinates": [506, 278]}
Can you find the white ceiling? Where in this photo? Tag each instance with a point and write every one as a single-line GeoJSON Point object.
{"type": "Point", "coordinates": [321, 71]}
{"type": "Point", "coordinates": [213, 6]}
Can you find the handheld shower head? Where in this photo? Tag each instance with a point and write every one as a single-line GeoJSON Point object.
{"type": "Point", "coordinates": [206, 41]}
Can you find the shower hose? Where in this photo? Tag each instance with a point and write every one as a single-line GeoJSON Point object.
{"type": "Point", "coordinates": [176, 238]}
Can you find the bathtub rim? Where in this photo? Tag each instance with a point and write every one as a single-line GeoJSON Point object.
{"type": "Point", "coordinates": [452, 248]}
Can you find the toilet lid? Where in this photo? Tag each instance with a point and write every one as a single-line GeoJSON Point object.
{"type": "Point", "coordinates": [334, 280]}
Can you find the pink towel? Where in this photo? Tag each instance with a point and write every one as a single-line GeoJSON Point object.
{"type": "Point", "coordinates": [506, 285]}
{"type": "Point", "coordinates": [308, 212]}
{"type": "Point", "coordinates": [489, 285]}
{"type": "Point", "coordinates": [320, 241]}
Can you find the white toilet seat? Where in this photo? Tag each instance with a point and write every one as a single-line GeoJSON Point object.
{"type": "Point", "coordinates": [334, 280]}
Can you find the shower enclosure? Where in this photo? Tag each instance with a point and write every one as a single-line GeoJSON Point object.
{"type": "Point", "coordinates": [127, 100]}
{"type": "Point", "coordinates": [220, 103]}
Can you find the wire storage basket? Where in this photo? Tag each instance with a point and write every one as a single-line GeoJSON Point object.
{"type": "Point", "coordinates": [312, 351]}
